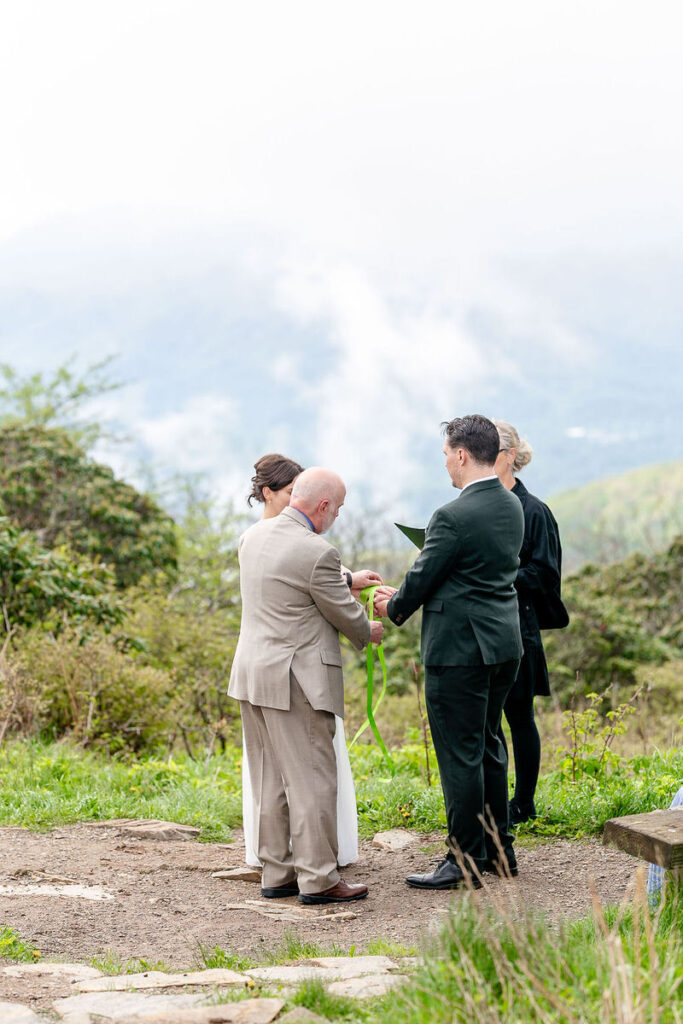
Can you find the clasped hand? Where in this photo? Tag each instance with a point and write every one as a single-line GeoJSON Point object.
{"type": "Point", "coordinates": [381, 599]}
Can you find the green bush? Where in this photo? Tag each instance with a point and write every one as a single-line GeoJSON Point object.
{"type": "Point", "coordinates": [85, 689]}
{"type": "Point", "coordinates": [52, 488]}
{"type": "Point", "coordinates": [53, 588]}
{"type": "Point", "coordinates": [624, 617]}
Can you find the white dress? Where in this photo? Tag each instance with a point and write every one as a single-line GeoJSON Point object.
{"type": "Point", "coordinates": [347, 815]}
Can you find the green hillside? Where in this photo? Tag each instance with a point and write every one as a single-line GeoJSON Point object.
{"type": "Point", "coordinates": [611, 518]}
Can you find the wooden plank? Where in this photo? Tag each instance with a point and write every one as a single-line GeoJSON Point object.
{"type": "Point", "coordinates": [656, 837]}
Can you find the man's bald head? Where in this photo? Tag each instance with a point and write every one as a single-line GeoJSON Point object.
{"type": "Point", "coordinates": [319, 493]}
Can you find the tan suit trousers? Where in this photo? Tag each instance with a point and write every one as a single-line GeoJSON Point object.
{"type": "Point", "coordinates": [293, 771]}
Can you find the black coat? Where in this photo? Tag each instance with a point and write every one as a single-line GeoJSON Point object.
{"type": "Point", "coordinates": [538, 590]}
{"type": "Point", "coordinates": [464, 579]}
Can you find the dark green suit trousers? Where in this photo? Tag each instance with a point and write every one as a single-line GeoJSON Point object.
{"type": "Point", "coordinates": [465, 704]}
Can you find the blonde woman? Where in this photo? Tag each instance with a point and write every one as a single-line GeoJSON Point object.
{"type": "Point", "coordinates": [540, 607]}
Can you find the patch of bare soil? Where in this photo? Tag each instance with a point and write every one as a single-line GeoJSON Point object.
{"type": "Point", "coordinates": [164, 901]}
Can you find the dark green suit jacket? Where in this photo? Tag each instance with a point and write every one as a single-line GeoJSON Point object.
{"type": "Point", "coordinates": [464, 580]}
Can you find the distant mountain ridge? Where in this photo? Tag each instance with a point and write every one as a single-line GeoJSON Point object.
{"type": "Point", "coordinates": [608, 519]}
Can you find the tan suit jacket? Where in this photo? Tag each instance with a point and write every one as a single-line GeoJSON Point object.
{"type": "Point", "coordinates": [294, 605]}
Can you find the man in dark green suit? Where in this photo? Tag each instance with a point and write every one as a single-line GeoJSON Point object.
{"type": "Point", "coordinates": [471, 648]}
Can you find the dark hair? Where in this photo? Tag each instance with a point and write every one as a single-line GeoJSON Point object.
{"type": "Point", "coordinates": [476, 434]}
{"type": "Point", "coordinates": [274, 471]}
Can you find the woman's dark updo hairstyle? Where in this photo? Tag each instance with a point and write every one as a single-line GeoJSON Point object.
{"type": "Point", "coordinates": [274, 471]}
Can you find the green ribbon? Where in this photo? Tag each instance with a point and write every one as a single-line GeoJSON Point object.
{"type": "Point", "coordinates": [369, 595]}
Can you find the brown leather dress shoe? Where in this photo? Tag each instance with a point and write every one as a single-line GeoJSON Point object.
{"type": "Point", "coordinates": [339, 893]}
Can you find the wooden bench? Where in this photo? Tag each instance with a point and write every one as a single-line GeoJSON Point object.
{"type": "Point", "coordinates": [656, 837]}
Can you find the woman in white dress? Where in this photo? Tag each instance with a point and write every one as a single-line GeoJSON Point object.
{"type": "Point", "coordinates": [272, 485]}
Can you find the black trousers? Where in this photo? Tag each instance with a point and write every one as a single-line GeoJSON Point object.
{"type": "Point", "coordinates": [465, 704]}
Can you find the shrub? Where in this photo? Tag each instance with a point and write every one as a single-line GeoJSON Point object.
{"type": "Point", "coordinates": [85, 689]}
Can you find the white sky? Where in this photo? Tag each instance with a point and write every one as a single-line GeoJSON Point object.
{"type": "Point", "coordinates": [374, 163]}
{"type": "Point", "coordinates": [331, 123]}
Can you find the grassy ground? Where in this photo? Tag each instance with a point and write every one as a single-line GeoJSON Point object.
{"type": "Point", "coordinates": [46, 785]}
{"type": "Point", "coordinates": [488, 964]}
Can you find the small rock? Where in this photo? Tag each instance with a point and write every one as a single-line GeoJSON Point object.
{"type": "Point", "coordinates": [160, 979]}
{"type": "Point", "coordinates": [15, 1013]}
{"type": "Point", "coordinates": [74, 972]}
{"type": "Point", "coordinates": [366, 987]}
{"type": "Point", "coordinates": [150, 828]}
{"type": "Point", "coordinates": [394, 840]}
{"type": "Point", "coordinates": [245, 874]}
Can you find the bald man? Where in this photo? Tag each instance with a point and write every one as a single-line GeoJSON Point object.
{"type": "Point", "coordinates": [287, 676]}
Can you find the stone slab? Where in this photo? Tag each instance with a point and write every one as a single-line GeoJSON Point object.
{"type": "Point", "coordinates": [656, 837]}
{"type": "Point", "coordinates": [71, 891]}
{"type": "Point", "coordinates": [161, 980]}
{"type": "Point", "coordinates": [16, 1013]}
{"type": "Point", "coordinates": [366, 987]}
{"type": "Point", "coordinates": [326, 968]}
{"type": "Point", "coordinates": [149, 828]}
{"type": "Point", "coordinates": [245, 874]}
{"type": "Point", "coordinates": [73, 972]}
{"type": "Point", "coordinates": [248, 1011]}
{"type": "Point", "coordinates": [290, 974]}
{"type": "Point", "coordinates": [119, 1006]}
{"type": "Point", "coordinates": [394, 840]}
{"type": "Point", "coordinates": [355, 966]}
{"type": "Point", "coordinates": [286, 910]}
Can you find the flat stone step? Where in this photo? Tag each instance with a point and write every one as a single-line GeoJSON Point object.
{"type": "Point", "coordinates": [148, 828]}
{"type": "Point", "coordinates": [656, 837]}
{"type": "Point", "coordinates": [161, 980]}
{"type": "Point", "coordinates": [248, 1011]}
{"type": "Point", "coordinates": [17, 1013]}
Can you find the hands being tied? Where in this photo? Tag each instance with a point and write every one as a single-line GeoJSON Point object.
{"type": "Point", "coordinates": [362, 579]}
{"type": "Point", "coordinates": [368, 578]}
{"type": "Point", "coordinates": [382, 597]}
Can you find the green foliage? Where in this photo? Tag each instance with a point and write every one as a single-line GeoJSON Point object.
{"type": "Point", "coordinates": [46, 785]}
{"type": "Point", "coordinates": [403, 800]}
{"type": "Point", "coordinates": [57, 400]}
{"type": "Point", "coordinates": [51, 587]}
{"type": "Point", "coordinates": [591, 736]}
{"type": "Point", "coordinates": [13, 947]}
{"type": "Point", "coordinates": [49, 486]}
{"type": "Point", "coordinates": [579, 809]}
{"type": "Point", "coordinates": [494, 963]}
{"type": "Point", "coordinates": [111, 963]}
{"type": "Point", "coordinates": [385, 947]}
{"type": "Point", "coordinates": [314, 996]}
{"type": "Point", "coordinates": [161, 683]}
{"type": "Point", "coordinates": [609, 519]}
{"type": "Point", "coordinates": [191, 632]}
{"type": "Point", "coordinates": [622, 618]}
{"type": "Point", "coordinates": [217, 957]}
{"type": "Point", "coordinates": [87, 689]}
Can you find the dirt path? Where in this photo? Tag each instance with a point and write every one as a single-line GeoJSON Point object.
{"type": "Point", "coordinates": [163, 901]}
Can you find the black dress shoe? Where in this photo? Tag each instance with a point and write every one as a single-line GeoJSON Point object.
{"type": "Point", "coordinates": [446, 876]}
{"type": "Point", "coordinates": [288, 889]}
{"type": "Point", "coordinates": [506, 869]}
{"type": "Point", "coordinates": [520, 812]}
